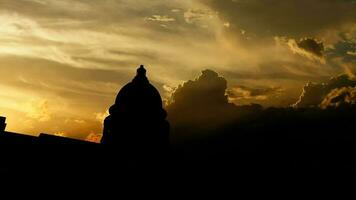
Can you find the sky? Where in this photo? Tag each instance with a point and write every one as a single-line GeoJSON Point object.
{"type": "Point", "coordinates": [63, 61]}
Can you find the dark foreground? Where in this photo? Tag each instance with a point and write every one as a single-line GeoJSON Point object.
{"type": "Point", "coordinates": [223, 158]}
{"type": "Point", "coordinates": [276, 143]}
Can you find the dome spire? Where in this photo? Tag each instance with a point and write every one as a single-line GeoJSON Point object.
{"type": "Point", "coordinates": [141, 71]}
{"type": "Point", "coordinates": [141, 75]}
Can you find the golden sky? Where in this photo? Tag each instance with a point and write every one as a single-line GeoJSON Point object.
{"type": "Point", "coordinates": [63, 61]}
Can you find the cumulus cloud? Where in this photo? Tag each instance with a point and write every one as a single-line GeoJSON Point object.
{"type": "Point", "coordinates": [208, 88]}
{"type": "Point", "coordinates": [314, 93]}
{"type": "Point", "coordinates": [309, 48]}
{"type": "Point", "coordinates": [200, 100]}
{"type": "Point", "coordinates": [203, 103]}
{"type": "Point", "coordinates": [345, 96]}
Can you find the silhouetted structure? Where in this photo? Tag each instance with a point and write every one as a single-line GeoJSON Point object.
{"type": "Point", "coordinates": [258, 142]}
{"type": "Point", "coordinates": [137, 121]}
{"type": "Point", "coordinates": [2, 124]}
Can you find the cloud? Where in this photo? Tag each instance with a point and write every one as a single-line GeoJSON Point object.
{"type": "Point", "coordinates": [71, 127]}
{"type": "Point", "coordinates": [73, 93]}
{"type": "Point", "coordinates": [202, 104]}
{"type": "Point", "coordinates": [93, 137]}
{"type": "Point", "coordinates": [196, 92]}
{"type": "Point", "coordinates": [60, 134]}
{"type": "Point", "coordinates": [38, 110]}
{"type": "Point", "coordinates": [196, 16]}
{"type": "Point", "coordinates": [101, 116]}
{"type": "Point", "coordinates": [345, 96]}
{"type": "Point", "coordinates": [351, 53]}
{"type": "Point", "coordinates": [344, 49]}
{"type": "Point", "coordinates": [199, 101]}
{"type": "Point", "coordinates": [175, 10]}
{"type": "Point", "coordinates": [79, 121]}
{"type": "Point", "coordinates": [267, 95]}
{"type": "Point", "coordinates": [160, 18]}
{"type": "Point", "coordinates": [309, 48]}
{"type": "Point", "coordinates": [244, 93]}
{"type": "Point", "coordinates": [291, 18]}
{"type": "Point", "coordinates": [314, 93]}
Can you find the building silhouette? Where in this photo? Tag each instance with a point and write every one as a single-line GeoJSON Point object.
{"type": "Point", "coordinates": [136, 130]}
{"type": "Point", "coordinates": [137, 121]}
{"type": "Point", "coordinates": [274, 141]}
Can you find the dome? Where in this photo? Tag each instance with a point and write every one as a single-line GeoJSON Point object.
{"type": "Point", "coordinates": [138, 95]}
{"type": "Point", "coordinates": [137, 120]}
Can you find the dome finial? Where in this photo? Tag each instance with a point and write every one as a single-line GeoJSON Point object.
{"type": "Point", "coordinates": [141, 71]}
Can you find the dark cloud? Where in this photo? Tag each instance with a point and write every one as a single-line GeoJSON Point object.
{"type": "Point", "coordinates": [203, 104]}
{"type": "Point", "coordinates": [314, 93]}
{"type": "Point", "coordinates": [344, 49]}
{"type": "Point", "coordinates": [294, 18]}
{"type": "Point", "coordinates": [312, 46]}
{"type": "Point", "coordinates": [309, 48]}
{"type": "Point", "coordinates": [208, 84]}
{"type": "Point", "coordinates": [200, 100]}
{"type": "Point", "coordinates": [345, 96]}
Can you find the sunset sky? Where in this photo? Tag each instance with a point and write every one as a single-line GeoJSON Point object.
{"type": "Point", "coordinates": [62, 62]}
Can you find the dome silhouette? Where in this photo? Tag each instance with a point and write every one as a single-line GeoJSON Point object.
{"type": "Point", "coordinates": [137, 120]}
{"type": "Point", "coordinates": [139, 98]}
